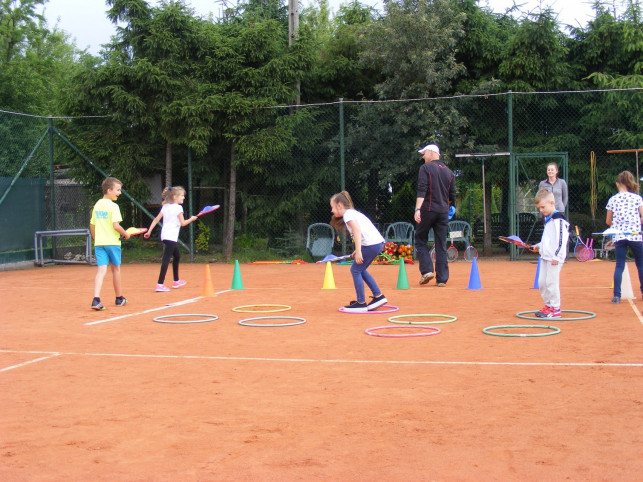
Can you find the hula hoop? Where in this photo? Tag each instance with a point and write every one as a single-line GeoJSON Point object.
{"type": "Point", "coordinates": [521, 314]}
{"type": "Point", "coordinates": [396, 319]}
{"type": "Point", "coordinates": [371, 331]}
{"type": "Point", "coordinates": [555, 330]}
{"type": "Point", "coordinates": [299, 321]}
{"type": "Point", "coordinates": [391, 309]}
{"type": "Point", "coordinates": [164, 318]}
{"type": "Point", "coordinates": [239, 309]}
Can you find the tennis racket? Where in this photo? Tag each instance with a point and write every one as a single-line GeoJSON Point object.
{"type": "Point", "coordinates": [452, 253]}
{"type": "Point", "coordinates": [612, 232]}
{"type": "Point", "coordinates": [208, 209]}
{"type": "Point", "coordinates": [515, 240]}
{"type": "Point", "coordinates": [581, 251]}
{"type": "Point", "coordinates": [590, 246]}
{"type": "Point", "coordinates": [332, 258]}
{"type": "Point", "coordinates": [470, 253]}
{"type": "Point", "coordinates": [134, 231]}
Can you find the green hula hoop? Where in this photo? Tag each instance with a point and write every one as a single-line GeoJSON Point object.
{"type": "Point", "coordinates": [245, 322]}
{"type": "Point", "coordinates": [397, 319]}
{"type": "Point", "coordinates": [521, 314]}
{"type": "Point", "coordinates": [555, 330]}
{"type": "Point", "coordinates": [165, 318]}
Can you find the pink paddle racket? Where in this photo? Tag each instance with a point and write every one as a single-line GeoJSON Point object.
{"type": "Point", "coordinates": [515, 240]}
{"type": "Point", "coordinates": [208, 209]}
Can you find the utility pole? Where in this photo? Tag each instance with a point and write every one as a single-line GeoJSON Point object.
{"type": "Point", "coordinates": [293, 30]}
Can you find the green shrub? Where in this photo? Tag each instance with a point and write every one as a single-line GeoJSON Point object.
{"type": "Point", "coordinates": [202, 241]}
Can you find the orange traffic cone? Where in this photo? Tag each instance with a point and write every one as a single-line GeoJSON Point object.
{"type": "Point", "coordinates": [208, 289]}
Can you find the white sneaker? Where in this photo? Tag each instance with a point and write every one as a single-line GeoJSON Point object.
{"type": "Point", "coordinates": [162, 288]}
{"type": "Point", "coordinates": [427, 277]}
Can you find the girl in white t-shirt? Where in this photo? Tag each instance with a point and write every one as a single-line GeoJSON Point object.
{"type": "Point", "coordinates": [173, 220]}
{"type": "Point", "coordinates": [624, 214]}
{"type": "Point", "coordinates": [368, 244]}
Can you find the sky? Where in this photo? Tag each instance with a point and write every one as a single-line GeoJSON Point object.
{"type": "Point", "coordinates": [86, 21]}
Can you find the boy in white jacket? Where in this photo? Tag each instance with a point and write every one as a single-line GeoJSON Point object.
{"type": "Point", "coordinates": [553, 251]}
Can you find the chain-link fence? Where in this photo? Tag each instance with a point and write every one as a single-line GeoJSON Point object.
{"type": "Point", "coordinates": [367, 148]}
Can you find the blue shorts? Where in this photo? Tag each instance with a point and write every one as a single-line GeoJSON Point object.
{"type": "Point", "coordinates": [108, 254]}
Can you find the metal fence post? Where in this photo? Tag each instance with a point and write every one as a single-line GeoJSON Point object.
{"type": "Point", "coordinates": [52, 181]}
{"type": "Point", "coordinates": [512, 173]}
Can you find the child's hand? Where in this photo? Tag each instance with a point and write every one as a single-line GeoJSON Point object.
{"type": "Point", "coordinates": [534, 248]}
{"type": "Point", "coordinates": [357, 256]}
{"type": "Point", "coordinates": [126, 235]}
{"type": "Point", "coordinates": [194, 218]}
{"type": "Point", "coordinates": [147, 235]}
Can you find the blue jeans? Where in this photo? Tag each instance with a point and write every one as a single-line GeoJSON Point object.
{"type": "Point", "coordinates": [361, 276]}
{"type": "Point", "coordinates": [620, 248]}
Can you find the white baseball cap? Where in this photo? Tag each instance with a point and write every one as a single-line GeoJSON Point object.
{"type": "Point", "coordinates": [430, 147]}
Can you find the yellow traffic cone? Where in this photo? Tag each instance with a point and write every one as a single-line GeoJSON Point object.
{"type": "Point", "coordinates": [329, 281]}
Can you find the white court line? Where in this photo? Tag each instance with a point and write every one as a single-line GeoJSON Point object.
{"type": "Point", "coordinates": [636, 311]}
{"type": "Point", "coordinates": [51, 355]}
{"type": "Point", "coordinates": [151, 310]}
{"type": "Point", "coordinates": [324, 360]}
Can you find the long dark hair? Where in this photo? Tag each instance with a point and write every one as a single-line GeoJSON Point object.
{"type": "Point", "coordinates": [345, 200]}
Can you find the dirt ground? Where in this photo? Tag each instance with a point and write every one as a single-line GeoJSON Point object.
{"type": "Point", "coordinates": [116, 396]}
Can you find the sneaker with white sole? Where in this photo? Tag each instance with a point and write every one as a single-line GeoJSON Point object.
{"type": "Point", "coordinates": [426, 277]}
{"type": "Point", "coordinates": [553, 313]}
{"type": "Point", "coordinates": [544, 311]}
{"type": "Point", "coordinates": [376, 302]}
{"type": "Point", "coordinates": [162, 288]}
{"type": "Point", "coordinates": [356, 307]}
{"type": "Point", "coordinates": [121, 301]}
{"type": "Point", "coordinates": [96, 305]}
{"type": "Point", "coordinates": [179, 283]}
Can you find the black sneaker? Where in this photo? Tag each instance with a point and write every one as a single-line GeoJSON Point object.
{"type": "Point", "coordinates": [376, 302]}
{"type": "Point", "coordinates": [96, 305]}
{"type": "Point", "coordinates": [616, 299]}
{"type": "Point", "coordinates": [121, 301]}
{"type": "Point", "coordinates": [356, 307]}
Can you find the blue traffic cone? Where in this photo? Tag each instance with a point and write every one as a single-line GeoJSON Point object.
{"type": "Point", "coordinates": [474, 277]}
{"type": "Point", "coordinates": [535, 287]}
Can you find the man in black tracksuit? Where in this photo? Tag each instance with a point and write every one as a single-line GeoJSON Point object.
{"type": "Point", "coordinates": [435, 191]}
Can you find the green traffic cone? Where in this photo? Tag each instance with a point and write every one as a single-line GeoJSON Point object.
{"type": "Point", "coordinates": [237, 282]}
{"type": "Point", "coordinates": [402, 280]}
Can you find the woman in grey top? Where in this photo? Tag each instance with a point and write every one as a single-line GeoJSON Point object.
{"type": "Point", "coordinates": [556, 185]}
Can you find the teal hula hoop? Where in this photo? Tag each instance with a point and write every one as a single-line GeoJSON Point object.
{"type": "Point", "coordinates": [397, 318]}
{"type": "Point", "coordinates": [521, 314]}
{"type": "Point", "coordinates": [555, 330]}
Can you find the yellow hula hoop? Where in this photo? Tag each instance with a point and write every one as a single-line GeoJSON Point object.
{"type": "Point", "coordinates": [241, 309]}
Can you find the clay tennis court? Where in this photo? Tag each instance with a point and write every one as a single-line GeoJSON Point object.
{"type": "Point", "coordinates": [114, 395]}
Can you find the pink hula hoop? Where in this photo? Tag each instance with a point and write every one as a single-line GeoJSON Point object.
{"type": "Point", "coordinates": [432, 331]}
